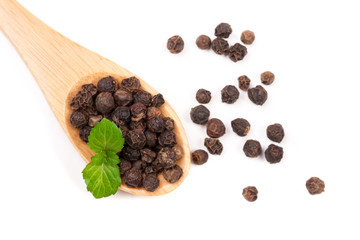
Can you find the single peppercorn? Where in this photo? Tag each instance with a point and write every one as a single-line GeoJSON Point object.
{"type": "Point", "coordinates": [250, 193]}
{"type": "Point", "coordinates": [315, 185]}
{"type": "Point", "coordinates": [257, 95]}
{"type": "Point", "coordinates": [172, 175]}
{"type": "Point", "coordinates": [200, 114]}
{"type": "Point", "coordinates": [275, 132]}
{"type": "Point", "coordinates": [129, 153]}
{"type": "Point", "coordinates": [166, 157]}
{"type": "Point", "coordinates": [237, 52]}
{"type": "Point", "coordinates": [203, 42]}
{"type": "Point", "coordinates": [267, 78]}
{"type": "Point", "coordinates": [178, 151]}
{"type": "Point", "coordinates": [90, 88]}
{"type": "Point", "coordinates": [157, 100]}
{"type": "Point", "coordinates": [215, 128]}
{"type": "Point", "coordinates": [136, 139]}
{"type": "Point", "coordinates": [169, 123]}
{"type": "Point", "coordinates": [167, 138]}
{"type": "Point", "coordinates": [93, 120]}
{"type": "Point", "coordinates": [78, 119]}
{"type": "Point", "coordinates": [147, 155]}
{"type": "Point", "coordinates": [213, 145]}
{"type": "Point", "coordinates": [82, 99]}
{"type": "Point", "coordinates": [244, 82]}
{"type": "Point", "coordinates": [140, 125]}
{"type": "Point", "coordinates": [143, 97]}
{"type": "Point", "coordinates": [153, 112]}
{"type": "Point", "coordinates": [131, 84]}
{"type": "Point", "coordinates": [124, 166]}
{"type": "Point", "coordinates": [274, 154]}
{"type": "Point", "coordinates": [121, 115]}
{"type": "Point", "coordinates": [151, 138]}
{"type": "Point", "coordinates": [175, 44]}
{"type": "Point", "coordinates": [156, 124]}
{"type": "Point", "coordinates": [240, 126]}
{"type": "Point", "coordinates": [252, 148]}
{"type": "Point", "coordinates": [220, 46]}
{"type": "Point", "coordinates": [223, 30]}
{"type": "Point", "coordinates": [203, 96]}
{"type": "Point", "coordinates": [105, 102]}
{"type": "Point", "coordinates": [138, 111]}
{"type": "Point", "coordinates": [123, 98]}
{"type": "Point", "coordinates": [247, 37]}
{"type": "Point", "coordinates": [107, 84]}
{"type": "Point", "coordinates": [199, 157]}
{"type": "Point", "coordinates": [133, 178]}
{"type": "Point", "coordinates": [229, 94]}
{"type": "Point", "coordinates": [150, 182]}
{"type": "Point", "coordinates": [84, 133]}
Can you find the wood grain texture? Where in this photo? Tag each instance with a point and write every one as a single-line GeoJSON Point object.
{"type": "Point", "coordinates": [61, 66]}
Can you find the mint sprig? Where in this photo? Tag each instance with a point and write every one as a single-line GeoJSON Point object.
{"type": "Point", "coordinates": [102, 175]}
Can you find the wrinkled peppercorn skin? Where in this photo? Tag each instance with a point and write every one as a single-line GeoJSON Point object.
{"type": "Point", "coordinates": [123, 98]}
{"type": "Point", "coordinates": [214, 146]}
{"type": "Point", "coordinates": [157, 100]}
{"type": "Point", "coordinates": [237, 52]}
{"type": "Point", "coordinates": [151, 138]}
{"type": "Point", "coordinates": [169, 123]}
{"type": "Point", "coordinates": [167, 139]}
{"type": "Point", "coordinates": [220, 46]}
{"type": "Point", "coordinates": [147, 155]}
{"type": "Point", "coordinates": [131, 84]}
{"type": "Point", "coordinates": [121, 115]}
{"type": "Point", "coordinates": [247, 37]}
{"type": "Point", "coordinates": [136, 139]}
{"type": "Point", "coordinates": [267, 78]}
{"type": "Point", "coordinates": [166, 157]}
{"type": "Point", "coordinates": [124, 166]}
{"type": "Point", "coordinates": [199, 157]}
{"type": "Point", "coordinates": [138, 111]}
{"type": "Point", "coordinates": [250, 193]}
{"type": "Point", "coordinates": [240, 126]}
{"type": "Point", "coordinates": [274, 154]}
{"type": "Point", "coordinates": [203, 42]}
{"type": "Point", "coordinates": [129, 153]}
{"type": "Point", "coordinates": [143, 97]}
{"type": "Point", "coordinates": [215, 128]}
{"type": "Point", "coordinates": [315, 185]}
{"type": "Point", "coordinates": [252, 148]}
{"type": "Point", "coordinates": [275, 132]}
{"type": "Point", "coordinates": [107, 84]}
{"type": "Point", "coordinates": [133, 178]}
{"type": "Point", "coordinates": [78, 119]}
{"type": "Point", "coordinates": [156, 124]}
{"type": "Point", "coordinates": [244, 82]}
{"type": "Point", "coordinates": [203, 96]}
{"type": "Point", "coordinates": [153, 112]}
{"type": "Point", "coordinates": [223, 30]}
{"type": "Point", "coordinates": [85, 133]}
{"type": "Point", "coordinates": [150, 182]}
{"type": "Point", "coordinates": [173, 174]}
{"type": "Point", "coordinates": [200, 114]}
{"type": "Point", "coordinates": [175, 44]}
{"type": "Point", "coordinates": [229, 94]}
{"type": "Point", "coordinates": [257, 95]}
{"type": "Point", "coordinates": [140, 125]}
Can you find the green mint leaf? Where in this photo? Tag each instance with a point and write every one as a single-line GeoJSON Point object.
{"type": "Point", "coordinates": [108, 157]}
{"type": "Point", "coordinates": [106, 136]}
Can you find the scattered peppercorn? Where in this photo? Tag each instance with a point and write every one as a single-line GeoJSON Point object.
{"type": "Point", "coordinates": [200, 114]}
{"type": "Point", "coordinates": [240, 126]}
{"type": "Point", "coordinates": [150, 182]}
{"type": "Point", "coordinates": [133, 178]}
{"type": "Point", "coordinates": [257, 95]}
{"type": "Point", "coordinates": [250, 193]}
{"type": "Point", "coordinates": [84, 133]}
{"type": "Point", "coordinates": [173, 174]}
{"type": "Point", "coordinates": [199, 157]}
{"type": "Point", "coordinates": [252, 148]}
{"type": "Point", "coordinates": [274, 154]}
{"type": "Point", "coordinates": [123, 98]}
{"type": "Point", "coordinates": [203, 42]}
{"type": "Point", "coordinates": [229, 94]}
{"type": "Point", "coordinates": [315, 185]}
{"type": "Point", "coordinates": [157, 100]}
{"type": "Point", "coordinates": [203, 96]}
{"type": "Point", "coordinates": [213, 145]}
{"type": "Point", "coordinates": [223, 30]}
{"type": "Point", "coordinates": [105, 102]}
{"type": "Point", "coordinates": [215, 128]}
{"type": "Point", "coordinates": [244, 82]}
{"type": "Point", "coordinates": [78, 119]}
{"type": "Point", "coordinates": [237, 52]}
{"type": "Point", "coordinates": [275, 132]}
{"type": "Point", "coordinates": [247, 37]}
{"type": "Point", "coordinates": [267, 78]}
{"type": "Point", "coordinates": [131, 84]}
{"type": "Point", "coordinates": [107, 84]}
{"type": "Point", "coordinates": [175, 44]}
{"type": "Point", "coordinates": [220, 46]}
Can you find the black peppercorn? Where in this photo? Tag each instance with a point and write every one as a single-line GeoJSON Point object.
{"type": "Point", "coordinates": [124, 166]}
{"type": "Point", "coordinates": [247, 37]}
{"type": "Point", "coordinates": [149, 170]}
{"type": "Point", "coordinates": [267, 78]}
{"type": "Point", "coordinates": [121, 115]}
{"type": "Point", "coordinates": [237, 52]}
{"type": "Point", "coordinates": [213, 145]}
{"type": "Point", "coordinates": [274, 154]}
{"type": "Point", "coordinates": [138, 111]}
{"type": "Point", "coordinates": [124, 130]}
{"type": "Point", "coordinates": [140, 125]}
{"type": "Point", "coordinates": [200, 114]}
{"type": "Point", "coordinates": [220, 46]}
{"type": "Point", "coordinates": [244, 82]}
{"type": "Point", "coordinates": [133, 178]}
{"type": "Point", "coordinates": [84, 133]}
{"type": "Point", "coordinates": [150, 182]}
{"type": "Point", "coordinates": [157, 100]}
{"type": "Point", "coordinates": [82, 99]}
{"type": "Point", "coordinates": [90, 88]}
{"type": "Point", "coordinates": [78, 119]}
{"type": "Point", "coordinates": [178, 151]}
{"type": "Point", "coordinates": [136, 139]}
{"type": "Point", "coordinates": [215, 128]}
{"type": "Point", "coordinates": [250, 193]}
{"type": "Point", "coordinates": [203, 42]}
{"type": "Point", "coordinates": [199, 157]}
{"type": "Point", "coordinates": [153, 112]}
{"type": "Point", "coordinates": [175, 44]}
{"type": "Point", "coordinates": [315, 185]}
{"type": "Point", "coordinates": [93, 120]}
{"type": "Point", "coordinates": [229, 94]}
{"type": "Point", "coordinates": [157, 167]}
{"type": "Point", "coordinates": [240, 126]}
{"type": "Point", "coordinates": [151, 138]}
{"type": "Point", "coordinates": [252, 148]}
{"type": "Point", "coordinates": [130, 154]}
{"type": "Point", "coordinates": [275, 132]}
{"type": "Point", "coordinates": [138, 164]}
{"type": "Point", "coordinates": [167, 138]}
{"type": "Point", "coordinates": [123, 98]}
{"type": "Point", "coordinates": [143, 97]}
{"type": "Point", "coordinates": [223, 30]}
{"type": "Point", "coordinates": [203, 96]}
{"type": "Point", "coordinates": [131, 84]}
{"type": "Point", "coordinates": [105, 102]}
{"type": "Point", "coordinates": [169, 123]}
{"type": "Point", "coordinates": [156, 124]}
{"type": "Point", "coordinates": [257, 95]}
{"type": "Point", "coordinates": [107, 84]}
{"type": "Point", "coordinates": [166, 157]}
{"type": "Point", "coordinates": [147, 155]}
{"type": "Point", "coordinates": [172, 175]}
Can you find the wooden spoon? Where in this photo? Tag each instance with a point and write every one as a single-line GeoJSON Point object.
{"type": "Point", "coordinates": [60, 66]}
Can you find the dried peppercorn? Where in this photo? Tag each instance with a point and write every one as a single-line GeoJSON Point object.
{"type": "Point", "coordinates": [267, 78]}
{"type": "Point", "coordinates": [166, 157]}
{"type": "Point", "coordinates": [140, 125]}
{"type": "Point", "coordinates": [156, 124]}
{"type": "Point", "coordinates": [200, 114]}
{"type": "Point", "coordinates": [85, 133]}
{"type": "Point", "coordinates": [157, 166]}
{"type": "Point", "coordinates": [136, 139]}
{"type": "Point", "coordinates": [153, 112]}
{"type": "Point", "coordinates": [178, 151]}
{"type": "Point", "coordinates": [215, 128]}
{"type": "Point", "coordinates": [147, 155]}
{"type": "Point", "coordinates": [169, 123]}
{"type": "Point", "coordinates": [223, 30]}
{"type": "Point", "coordinates": [275, 132]}
{"type": "Point", "coordinates": [129, 153]}
{"type": "Point", "coordinates": [157, 100]}
{"type": "Point", "coordinates": [199, 157]}
{"type": "Point", "coordinates": [213, 145]}
{"type": "Point", "coordinates": [247, 37]}
{"type": "Point", "coordinates": [124, 166]}
{"type": "Point", "coordinates": [82, 99]}
{"type": "Point", "coordinates": [244, 82]}
{"type": "Point", "coordinates": [105, 102]}
{"type": "Point", "coordinates": [121, 115]}
{"type": "Point", "coordinates": [151, 138]}
{"type": "Point", "coordinates": [133, 178]}
{"type": "Point", "coordinates": [257, 95]}
{"type": "Point", "coordinates": [150, 182]}
{"type": "Point", "coordinates": [237, 52]}
{"type": "Point", "coordinates": [203, 96]}
{"type": "Point", "coordinates": [240, 126]}
{"type": "Point", "coordinates": [175, 44]}
{"type": "Point", "coordinates": [167, 138]}
{"type": "Point", "coordinates": [149, 170]}
{"type": "Point", "coordinates": [203, 42]}
{"type": "Point", "coordinates": [90, 88]}
{"type": "Point", "coordinates": [229, 94]}
{"type": "Point", "coordinates": [220, 46]}
{"type": "Point", "coordinates": [107, 84]}
{"type": "Point", "coordinates": [131, 84]}
{"type": "Point", "coordinates": [90, 111]}
{"type": "Point", "coordinates": [252, 148]}
{"type": "Point", "coordinates": [124, 130]}
{"type": "Point", "coordinates": [78, 119]}
{"type": "Point", "coordinates": [143, 97]}
{"type": "Point", "coordinates": [138, 164]}
{"type": "Point", "coordinates": [172, 175]}
{"type": "Point", "coordinates": [138, 111]}
{"type": "Point", "coordinates": [315, 185]}
{"type": "Point", "coordinates": [123, 98]}
{"type": "Point", "coordinates": [93, 120]}
{"type": "Point", "coordinates": [250, 193]}
{"type": "Point", "coordinates": [274, 154]}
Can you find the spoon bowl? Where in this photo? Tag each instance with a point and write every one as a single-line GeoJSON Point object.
{"type": "Point", "coordinates": [61, 66]}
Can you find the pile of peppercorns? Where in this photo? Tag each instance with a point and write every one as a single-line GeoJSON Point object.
{"type": "Point", "coordinates": [150, 144]}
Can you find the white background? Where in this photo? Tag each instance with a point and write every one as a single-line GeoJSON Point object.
{"type": "Point", "coordinates": [311, 46]}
